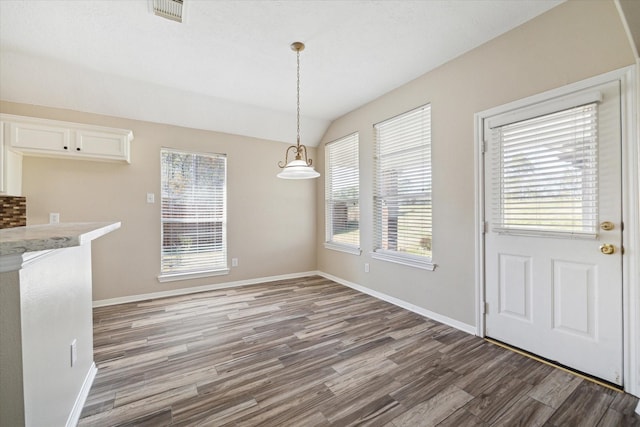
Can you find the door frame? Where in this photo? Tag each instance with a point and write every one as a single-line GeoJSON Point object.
{"type": "Point", "coordinates": [630, 131]}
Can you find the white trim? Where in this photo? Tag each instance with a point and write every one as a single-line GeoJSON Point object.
{"type": "Point", "coordinates": [634, 267]}
{"type": "Point", "coordinates": [76, 411]}
{"type": "Point", "coordinates": [631, 232]}
{"type": "Point", "coordinates": [408, 260]}
{"type": "Point", "coordinates": [173, 277]}
{"type": "Point", "coordinates": [631, 202]}
{"type": "Point", "coordinates": [185, 291]}
{"type": "Point", "coordinates": [480, 229]}
{"type": "Point", "coordinates": [343, 248]}
{"type": "Point", "coordinates": [470, 329]}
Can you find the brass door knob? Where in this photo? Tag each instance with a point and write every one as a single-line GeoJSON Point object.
{"type": "Point", "coordinates": [607, 225]}
{"type": "Point", "coordinates": [607, 248]}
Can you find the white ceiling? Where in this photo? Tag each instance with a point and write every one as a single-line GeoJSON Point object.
{"type": "Point", "coordinates": [229, 67]}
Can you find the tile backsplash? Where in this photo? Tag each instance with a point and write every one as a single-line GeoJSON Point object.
{"type": "Point", "coordinates": [13, 211]}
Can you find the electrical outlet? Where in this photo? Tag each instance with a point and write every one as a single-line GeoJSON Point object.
{"type": "Point", "coordinates": [366, 267]}
{"type": "Point", "coordinates": [54, 218]}
{"type": "Point", "coordinates": [234, 262]}
{"type": "Point", "coordinates": [151, 198]}
{"type": "Point", "coordinates": [74, 352]}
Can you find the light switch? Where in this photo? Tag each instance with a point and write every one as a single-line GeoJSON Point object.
{"type": "Point", "coordinates": [74, 352]}
{"type": "Point", "coordinates": [151, 198]}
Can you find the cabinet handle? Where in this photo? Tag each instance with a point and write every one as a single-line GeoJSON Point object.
{"type": "Point", "coordinates": [78, 149]}
{"type": "Point", "coordinates": [65, 147]}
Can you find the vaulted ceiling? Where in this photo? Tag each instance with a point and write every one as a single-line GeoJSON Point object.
{"type": "Point", "coordinates": [228, 66]}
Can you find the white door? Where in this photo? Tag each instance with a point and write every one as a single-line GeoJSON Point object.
{"type": "Point", "coordinates": [554, 208]}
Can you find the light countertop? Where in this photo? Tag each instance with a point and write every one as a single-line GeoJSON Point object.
{"type": "Point", "coordinates": [33, 238]}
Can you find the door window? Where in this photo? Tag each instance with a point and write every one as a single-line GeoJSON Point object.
{"type": "Point", "coordinates": [547, 173]}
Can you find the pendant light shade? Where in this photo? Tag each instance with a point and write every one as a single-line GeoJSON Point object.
{"type": "Point", "coordinates": [301, 166]}
{"type": "Point", "coordinates": [298, 169]}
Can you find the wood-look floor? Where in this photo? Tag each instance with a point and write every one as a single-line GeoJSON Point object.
{"type": "Point", "coordinates": [309, 352]}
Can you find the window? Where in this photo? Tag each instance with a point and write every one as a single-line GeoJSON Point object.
{"type": "Point", "coordinates": [342, 209]}
{"type": "Point", "coordinates": [402, 193]}
{"type": "Point", "coordinates": [193, 214]}
{"type": "Point", "coordinates": [547, 173]}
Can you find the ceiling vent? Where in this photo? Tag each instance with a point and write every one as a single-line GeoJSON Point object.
{"type": "Point", "coordinates": [170, 9]}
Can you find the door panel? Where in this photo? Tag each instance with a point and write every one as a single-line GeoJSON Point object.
{"type": "Point", "coordinates": [574, 298]}
{"type": "Point", "coordinates": [515, 286]}
{"type": "Point", "coordinates": [549, 287]}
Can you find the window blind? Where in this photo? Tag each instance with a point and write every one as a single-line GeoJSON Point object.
{"type": "Point", "coordinates": [193, 212]}
{"type": "Point", "coordinates": [342, 192]}
{"type": "Point", "coordinates": [546, 172]}
{"type": "Point", "coordinates": [402, 194]}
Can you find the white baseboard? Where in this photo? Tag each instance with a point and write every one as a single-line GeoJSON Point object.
{"type": "Point", "coordinates": [470, 329]}
{"type": "Point", "coordinates": [185, 291]}
{"type": "Point", "coordinates": [74, 416]}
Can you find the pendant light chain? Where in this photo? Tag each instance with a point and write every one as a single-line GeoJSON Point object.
{"type": "Point", "coordinates": [298, 95]}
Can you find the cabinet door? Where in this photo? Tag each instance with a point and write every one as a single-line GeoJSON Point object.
{"type": "Point", "coordinates": [10, 165]}
{"type": "Point", "coordinates": [3, 159]}
{"type": "Point", "coordinates": [31, 136]}
{"type": "Point", "coordinates": [102, 145]}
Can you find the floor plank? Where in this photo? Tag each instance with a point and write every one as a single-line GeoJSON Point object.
{"type": "Point", "coordinates": [309, 352]}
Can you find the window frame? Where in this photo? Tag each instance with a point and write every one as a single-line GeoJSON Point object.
{"type": "Point", "coordinates": [217, 269]}
{"type": "Point", "coordinates": [390, 255]}
{"type": "Point", "coordinates": [330, 243]}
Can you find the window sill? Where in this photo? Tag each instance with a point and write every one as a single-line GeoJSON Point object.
{"type": "Point", "coordinates": [172, 277]}
{"type": "Point", "coordinates": [343, 248]}
{"type": "Point", "coordinates": [404, 260]}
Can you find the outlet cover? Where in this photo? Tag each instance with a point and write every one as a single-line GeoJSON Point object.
{"type": "Point", "coordinates": [54, 218]}
{"type": "Point", "coordinates": [234, 262]}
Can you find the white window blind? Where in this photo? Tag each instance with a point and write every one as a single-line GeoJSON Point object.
{"type": "Point", "coordinates": [342, 192]}
{"type": "Point", "coordinates": [547, 173]}
{"type": "Point", "coordinates": [193, 212]}
{"type": "Point", "coordinates": [402, 194]}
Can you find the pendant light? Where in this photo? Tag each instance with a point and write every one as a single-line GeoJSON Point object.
{"type": "Point", "coordinates": [300, 167]}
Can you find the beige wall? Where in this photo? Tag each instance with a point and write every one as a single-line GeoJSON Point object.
{"type": "Point", "coordinates": [271, 222]}
{"type": "Point", "coordinates": [571, 42]}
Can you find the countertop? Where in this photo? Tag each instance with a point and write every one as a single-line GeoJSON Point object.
{"type": "Point", "coordinates": [33, 238]}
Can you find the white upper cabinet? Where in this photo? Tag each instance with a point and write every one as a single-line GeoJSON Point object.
{"type": "Point", "coordinates": [10, 166]}
{"type": "Point", "coordinates": [51, 138]}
